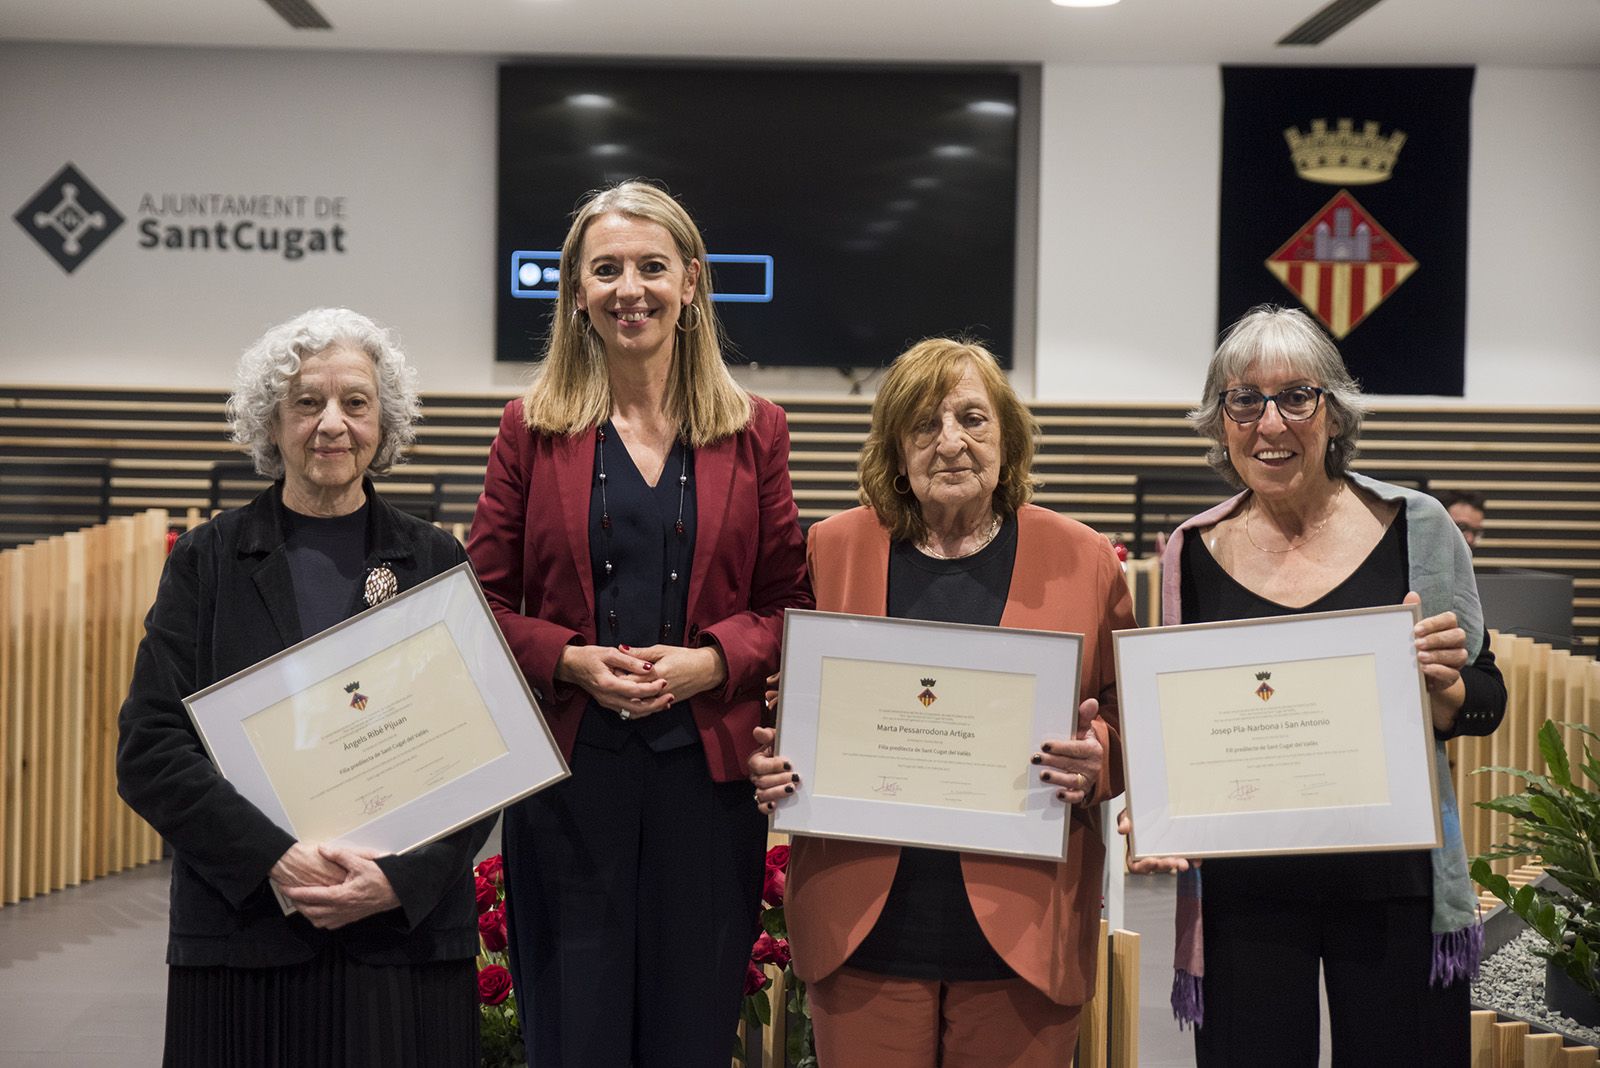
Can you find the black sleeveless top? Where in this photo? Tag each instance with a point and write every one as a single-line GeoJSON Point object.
{"type": "Point", "coordinates": [1211, 594]}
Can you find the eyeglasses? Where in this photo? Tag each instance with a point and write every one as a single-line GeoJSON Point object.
{"type": "Point", "coordinates": [1246, 405]}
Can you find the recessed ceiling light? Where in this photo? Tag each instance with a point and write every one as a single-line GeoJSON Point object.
{"type": "Point", "coordinates": [590, 100]}
{"type": "Point", "coordinates": [1083, 3]}
{"type": "Point", "coordinates": [609, 150]}
{"type": "Point", "coordinates": [954, 151]}
{"type": "Point", "coordinates": [993, 107]}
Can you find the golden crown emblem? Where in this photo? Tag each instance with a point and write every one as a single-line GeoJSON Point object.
{"type": "Point", "coordinates": [1344, 155]}
{"type": "Point", "coordinates": [927, 682]}
{"type": "Point", "coordinates": [1263, 676]}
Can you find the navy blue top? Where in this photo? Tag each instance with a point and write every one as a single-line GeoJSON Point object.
{"type": "Point", "coordinates": [927, 929]}
{"type": "Point", "coordinates": [641, 565]}
{"type": "Point", "coordinates": [327, 562]}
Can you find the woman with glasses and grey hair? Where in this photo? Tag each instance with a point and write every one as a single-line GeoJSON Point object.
{"type": "Point", "coordinates": [376, 966]}
{"type": "Point", "coordinates": [1307, 534]}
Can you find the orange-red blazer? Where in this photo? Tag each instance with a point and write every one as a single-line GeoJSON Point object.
{"type": "Point", "coordinates": [1042, 918]}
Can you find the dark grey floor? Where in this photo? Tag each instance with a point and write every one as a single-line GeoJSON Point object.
{"type": "Point", "coordinates": [82, 982]}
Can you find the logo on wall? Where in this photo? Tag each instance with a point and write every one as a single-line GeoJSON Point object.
{"type": "Point", "coordinates": [69, 218]}
{"type": "Point", "coordinates": [1265, 690]}
{"type": "Point", "coordinates": [927, 696]}
{"type": "Point", "coordinates": [358, 700]}
{"type": "Point", "coordinates": [1341, 264]}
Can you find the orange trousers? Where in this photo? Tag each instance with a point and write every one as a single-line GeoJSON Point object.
{"type": "Point", "coordinates": [866, 1020]}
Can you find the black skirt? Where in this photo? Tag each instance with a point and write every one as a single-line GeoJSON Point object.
{"type": "Point", "coordinates": [330, 1012]}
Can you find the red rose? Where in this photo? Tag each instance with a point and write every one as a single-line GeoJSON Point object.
{"type": "Point", "coordinates": [492, 929]}
{"type": "Point", "coordinates": [488, 897]}
{"type": "Point", "coordinates": [769, 950]}
{"type": "Point", "coordinates": [778, 857]}
{"type": "Point", "coordinates": [755, 979]}
{"type": "Point", "coordinates": [494, 984]}
{"type": "Point", "coordinates": [493, 869]}
{"type": "Point", "coordinates": [772, 886]}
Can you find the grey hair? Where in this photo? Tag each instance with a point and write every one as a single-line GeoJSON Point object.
{"type": "Point", "coordinates": [268, 367]}
{"type": "Point", "coordinates": [1271, 336]}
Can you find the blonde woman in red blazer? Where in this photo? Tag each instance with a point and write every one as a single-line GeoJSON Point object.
{"type": "Point", "coordinates": [638, 540]}
{"type": "Point", "coordinates": [945, 475]}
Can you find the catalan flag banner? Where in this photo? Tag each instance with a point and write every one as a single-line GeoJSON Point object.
{"type": "Point", "coordinates": [1344, 192]}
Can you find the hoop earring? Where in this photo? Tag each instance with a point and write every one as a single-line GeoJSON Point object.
{"type": "Point", "coordinates": [895, 484]}
{"type": "Point", "coordinates": [687, 324]}
{"type": "Point", "coordinates": [580, 319]}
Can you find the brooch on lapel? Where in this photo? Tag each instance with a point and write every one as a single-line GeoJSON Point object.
{"type": "Point", "coordinates": [381, 585]}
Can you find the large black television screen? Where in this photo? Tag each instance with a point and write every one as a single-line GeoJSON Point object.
{"type": "Point", "coordinates": [847, 211]}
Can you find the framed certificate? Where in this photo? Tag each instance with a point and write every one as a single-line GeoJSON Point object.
{"type": "Point", "coordinates": [389, 730]}
{"type": "Point", "coordinates": [1296, 734]}
{"type": "Point", "coordinates": [916, 733]}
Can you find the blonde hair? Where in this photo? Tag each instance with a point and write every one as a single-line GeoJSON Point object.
{"type": "Point", "coordinates": [918, 380]}
{"type": "Point", "coordinates": [571, 391]}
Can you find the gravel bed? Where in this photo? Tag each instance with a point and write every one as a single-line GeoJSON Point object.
{"type": "Point", "coordinates": [1512, 982]}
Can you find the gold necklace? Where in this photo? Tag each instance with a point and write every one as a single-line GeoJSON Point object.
{"type": "Point", "coordinates": [927, 549]}
{"type": "Point", "coordinates": [1332, 507]}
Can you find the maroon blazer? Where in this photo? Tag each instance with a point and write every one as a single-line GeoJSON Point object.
{"type": "Point", "coordinates": [530, 547]}
{"type": "Point", "coordinates": [1042, 918]}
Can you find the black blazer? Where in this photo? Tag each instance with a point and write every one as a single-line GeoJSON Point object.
{"type": "Point", "coordinates": [225, 603]}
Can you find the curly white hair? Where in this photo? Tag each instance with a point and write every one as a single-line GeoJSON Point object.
{"type": "Point", "coordinates": [268, 367]}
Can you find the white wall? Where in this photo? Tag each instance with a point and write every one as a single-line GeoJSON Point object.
{"type": "Point", "coordinates": [1128, 209]}
{"type": "Point", "coordinates": [1128, 225]}
{"type": "Point", "coordinates": [409, 141]}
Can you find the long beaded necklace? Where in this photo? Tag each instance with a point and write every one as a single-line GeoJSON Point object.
{"type": "Point", "coordinates": [680, 532]}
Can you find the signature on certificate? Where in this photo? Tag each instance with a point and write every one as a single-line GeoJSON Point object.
{"type": "Point", "coordinates": [887, 786]}
{"type": "Point", "coordinates": [1243, 790]}
{"type": "Point", "coordinates": [374, 804]}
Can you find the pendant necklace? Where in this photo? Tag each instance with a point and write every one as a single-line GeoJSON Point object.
{"type": "Point", "coordinates": [1307, 540]}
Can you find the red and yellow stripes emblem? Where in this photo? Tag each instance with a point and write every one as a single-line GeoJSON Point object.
{"type": "Point", "coordinates": [1341, 264]}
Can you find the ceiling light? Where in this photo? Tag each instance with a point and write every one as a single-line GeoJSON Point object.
{"type": "Point", "coordinates": [954, 151]}
{"type": "Point", "coordinates": [1083, 3]}
{"type": "Point", "coordinates": [609, 150]}
{"type": "Point", "coordinates": [590, 100]}
{"type": "Point", "coordinates": [993, 107]}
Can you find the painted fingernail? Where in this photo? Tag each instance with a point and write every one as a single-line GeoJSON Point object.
{"type": "Point", "coordinates": [1044, 776]}
{"type": "Point", "coordinates": [624, 648]}
{"type": "Point", "coordinates": [788, 789]}
{"type": "Point", "coordinates": [1046, 748]}
{"type": "Point", "coordinates": [647, 665]}
{"type": "Point", "coordinates": [1061, 795]}
{"type": "Point", "coordinates": [1037, 759]}
{"type": "Point", "coordinates": [786, 766]}
{"type": "Point", "coordinates": [794, 778]}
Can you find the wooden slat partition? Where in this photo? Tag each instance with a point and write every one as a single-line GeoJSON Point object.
{"type": "Point", "coordinates": [1497, 1044]}
{"type": "Point", "coordinates": [1108, 1026]}
{"type": "Point", "coordinates": [71, 616]}
{"type": "Point", "coordinates": [1541, 683]}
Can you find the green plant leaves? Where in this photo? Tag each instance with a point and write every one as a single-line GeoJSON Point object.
{"type": "Point", "coordinates": [1554, 751]}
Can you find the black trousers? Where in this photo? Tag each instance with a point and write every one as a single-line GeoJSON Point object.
{"type": "Point", "coordinates": [634, 890]}
{"type": "Point", "coordinates": [1261, 1005]}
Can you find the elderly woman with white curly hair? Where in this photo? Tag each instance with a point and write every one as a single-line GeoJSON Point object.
{"type": "Point", "coordinates": [376, 965]}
